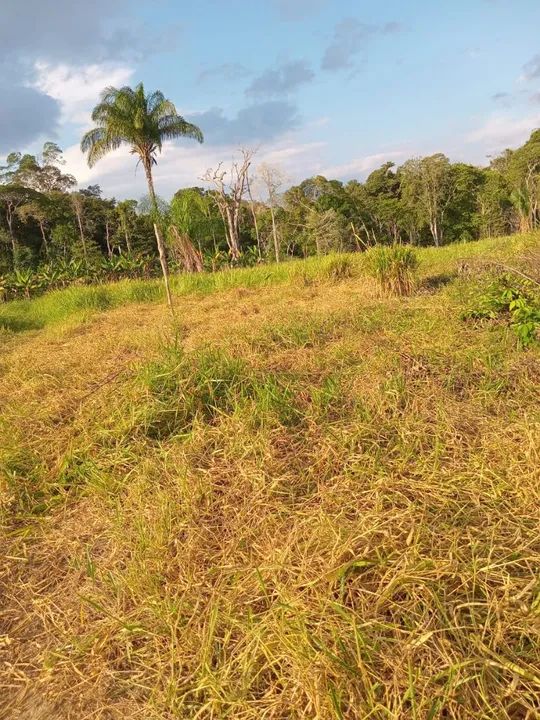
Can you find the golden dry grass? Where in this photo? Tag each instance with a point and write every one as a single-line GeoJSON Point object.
{"type": "Point", "coordinates": [303, 502]}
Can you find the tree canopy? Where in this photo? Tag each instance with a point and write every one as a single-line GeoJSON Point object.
{"type": "Point", "coordinates": [424, 201]}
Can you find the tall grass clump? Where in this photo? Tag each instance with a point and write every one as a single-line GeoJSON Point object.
{"type": "Point", "coordinates": [393, 267]}
{"type": "Point", "coordinates": [339, 267]}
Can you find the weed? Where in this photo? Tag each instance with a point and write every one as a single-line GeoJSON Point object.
{"type": "Point", "coordinates": [340, 268]}
{"type": "Point", "coordinates": [203, 388]}
{"type": "Point", "coordinates": [516, 300]}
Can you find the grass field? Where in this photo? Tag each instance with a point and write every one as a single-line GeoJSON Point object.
{"type": "Point", "coordinates": [299, 500]}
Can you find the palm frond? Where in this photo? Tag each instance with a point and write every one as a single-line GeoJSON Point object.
{"type": "Point", "coordinates": [128, 116]}
{"type": "Point", "coordinates": [155, 99]}
{"type": "Point", "coordinates": [174, 126]}
{"type": "Point", "coordinates": [90, 138]}
{"type": "Point", "coordinates": [102, 148]}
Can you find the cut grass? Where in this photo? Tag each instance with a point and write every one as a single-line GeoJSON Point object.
{"type": "Point", "coordinates": [310, 503]}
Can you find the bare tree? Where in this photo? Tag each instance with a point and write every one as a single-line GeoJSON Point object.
{"type": "Point", "coordinates": [252, 205]}
{"type": "Point", "coordinates": [229, 196]}
{"type": "Point", "coordinates": [272, 178]}
{"type": "Point", "coordinates": [184, 251]}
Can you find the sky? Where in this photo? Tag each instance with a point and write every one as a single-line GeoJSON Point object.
{"type": "Point", "coordinates": [330, 87]}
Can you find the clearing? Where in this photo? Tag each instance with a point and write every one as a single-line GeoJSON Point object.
{"type": "Point", "coordinates": [302, 501]}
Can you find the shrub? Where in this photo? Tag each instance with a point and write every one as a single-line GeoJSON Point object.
{"type": "Point", "coordinates": [393, 267]}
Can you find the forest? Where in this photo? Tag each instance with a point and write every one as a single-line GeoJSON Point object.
{"type": "Point", "coordinates": [52, 234]}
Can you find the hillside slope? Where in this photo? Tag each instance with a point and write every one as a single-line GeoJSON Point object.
{"type": "Point", "coordinates": [301, 500]}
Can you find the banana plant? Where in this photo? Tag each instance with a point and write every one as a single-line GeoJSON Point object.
{"type": "Point", "coordinates": [25, 282]}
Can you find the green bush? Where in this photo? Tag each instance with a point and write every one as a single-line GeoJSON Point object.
{"type": "Point", "coordinates": [393, 267]}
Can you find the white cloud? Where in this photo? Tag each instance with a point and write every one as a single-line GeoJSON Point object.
{"type": "Point", "coordinates": [500, 131]}
{"type": "Point", "coordinates": [363, 165]}
{"type": "Point", "coordinates": [289, 155]}
{"type": "Point", "coordinates": [182, 166]}
{"type": "Point", "coordinates": [531, 69]}
{"type": "Point", "coordinates": [77, 89]}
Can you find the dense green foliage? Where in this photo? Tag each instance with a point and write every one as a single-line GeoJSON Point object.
{"type": "Point", "coordinates": [511, 299]}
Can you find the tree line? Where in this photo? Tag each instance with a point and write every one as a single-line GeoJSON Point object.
{"type": "Point", "coordinates": [242, 213]}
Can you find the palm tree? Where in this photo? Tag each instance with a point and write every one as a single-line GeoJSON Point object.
{"type": "Point", "coordinates": [128, 116]}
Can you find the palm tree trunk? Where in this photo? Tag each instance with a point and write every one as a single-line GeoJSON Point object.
{"type": "Point", "coordinates": [157, 230]}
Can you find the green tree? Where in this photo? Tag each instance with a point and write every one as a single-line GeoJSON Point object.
{"type": "Point", "coordinates": [521, 167]}
{"type": "Point", "coordinates": [12, 197]}
{"type": "Point", "coordinates": [326, 230]}
{"type": "Point", "coordinates": [494, 204]}
{"type": "Point", "coordinates": [194, 212]}
{"type": "Point", "coordinates": [148, 205]}
{"type": "Point", "coordinates": [386, 215]}
{"type": "Point", "coordinates": [42, 174]}
{"type": "Point", "coordinates": [8, 171]}
{"type": "Point", "coordinates": [428, 186]}
{"type": "Point", "coordinates": [63, 240]}
{"type": "Point", "coordinates": [39, 210]}
{"type": "Point", "coordinates": [128, 116]}
{"type": "Point", "coordinates": [462, 219]}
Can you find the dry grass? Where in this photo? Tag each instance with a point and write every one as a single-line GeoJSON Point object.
{"type": "Point", "coordinates": [305, 502]}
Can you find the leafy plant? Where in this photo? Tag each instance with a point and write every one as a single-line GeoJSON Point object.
{"type": "Point", "coordinates": [517, 301]}
{"type": "Point", "coordinates": [393, 267]}
{"type": "Point", "coordinates": [27, 283]}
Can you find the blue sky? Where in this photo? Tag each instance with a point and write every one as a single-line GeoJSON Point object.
{"type": "Point", "coordinates": [317, 86]}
